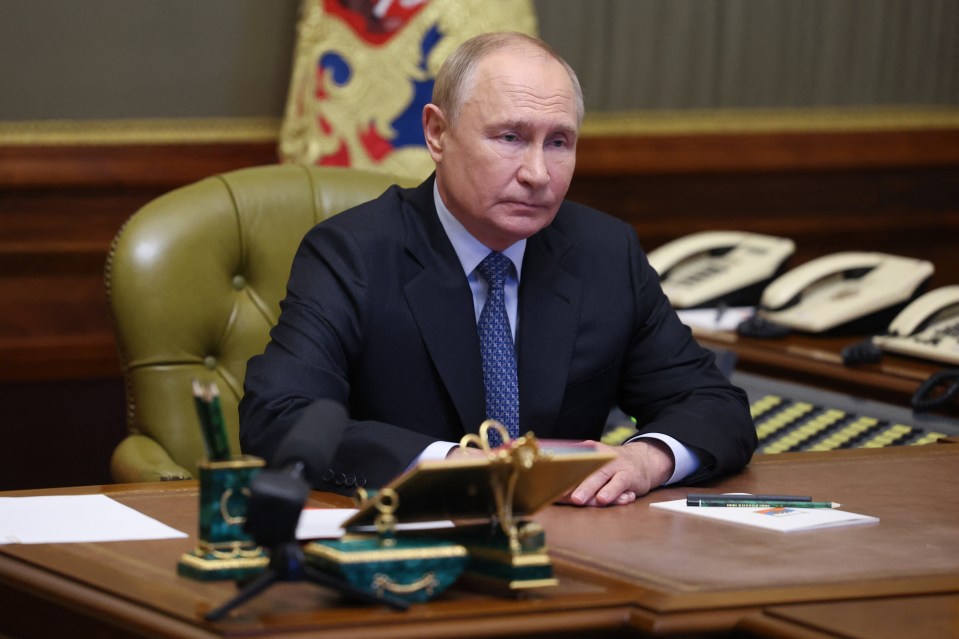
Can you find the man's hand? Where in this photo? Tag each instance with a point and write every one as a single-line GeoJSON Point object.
{"type": "Point", "coordinates": [640, 466]}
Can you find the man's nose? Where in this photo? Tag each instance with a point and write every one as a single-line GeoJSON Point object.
{"type": "Point", "coordinates": [533, 169]}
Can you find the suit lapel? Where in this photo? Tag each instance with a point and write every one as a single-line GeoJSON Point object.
{"type": "Point", "coordinates": [549, 313]}
{"type": "Point", "coordinates": [440, 300]}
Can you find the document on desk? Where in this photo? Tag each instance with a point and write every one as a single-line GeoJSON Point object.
{"type": "Point", "coordinates": [715, 319]}
{"type": "Point", "coordinates": [327, 523]}
{"type": "Point", "coordinates": [76, 518]}
{"type": "Point", "coordinates": [781, 519]}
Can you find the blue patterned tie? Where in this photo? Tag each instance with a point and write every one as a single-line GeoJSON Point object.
{"type": "Point", "coordinates": [496, 344]}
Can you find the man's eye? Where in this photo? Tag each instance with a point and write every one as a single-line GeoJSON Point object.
{"type": "Point", "coordinates": [510, 137]}
{"type": "Point", "coordinates": [558, 143]}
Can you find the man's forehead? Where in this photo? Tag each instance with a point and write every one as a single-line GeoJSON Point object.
{"type": "Point", "coordinates": [518, 82]}
{"type": "Point", "coordinates": [513, 58]}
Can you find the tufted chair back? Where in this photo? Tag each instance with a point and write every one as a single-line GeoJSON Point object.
{"type": "Point", "coordinates": [194, 281]}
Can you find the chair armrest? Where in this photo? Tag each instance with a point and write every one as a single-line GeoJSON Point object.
{"type": "Point", "coordinates": [139, 458]}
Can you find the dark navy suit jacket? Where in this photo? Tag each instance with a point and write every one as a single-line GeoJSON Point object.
{"type": "Point", "coordinates": [379, 316]}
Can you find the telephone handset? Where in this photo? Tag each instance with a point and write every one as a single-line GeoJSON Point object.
{"type": "Point", "coordinates": [926, 328]}
{"type": "Point", "coordinates": [855, 291]}
{"type": "Point", "coordinates": [709, 267]}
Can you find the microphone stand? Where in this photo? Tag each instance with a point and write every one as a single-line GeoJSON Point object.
{"type": "Point", "coordinates": [287, 563]}
{"type": "Point", "coordinates": [273, 509]}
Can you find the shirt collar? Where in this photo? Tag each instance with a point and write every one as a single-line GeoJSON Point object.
{"type": "Point", "coordinates": [469, 250]}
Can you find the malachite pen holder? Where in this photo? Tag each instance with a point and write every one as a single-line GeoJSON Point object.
{"type": "Point", "coordinates": [224, 550]}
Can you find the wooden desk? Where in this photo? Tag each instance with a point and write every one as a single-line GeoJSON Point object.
{"type": "Point", "coordinates": [131, 589]}
{"type": "Point", "coordinates": [927, 616]}
{"type": "Point", "coordinates": [691, 575]}
{"type": "Point", "coordinates": [817, 361]}
{"type": "Point", "coordinates": [624, 571]}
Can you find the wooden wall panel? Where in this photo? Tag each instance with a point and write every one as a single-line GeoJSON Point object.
{"type": "Point", "coordinates": [60, 208]}
{"type": "Point", "coordinates": [766, 152]}
{"type": "Point", "coordinates": [911, 212]}
{"type": "Point", "coordinates": [61, 394]}
{"type": "Point", "coordinates": [59, 432]}
{"type": "Point", "coordinates": [894, 191]}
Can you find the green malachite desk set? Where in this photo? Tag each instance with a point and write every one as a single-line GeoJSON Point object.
{"type": "Point", "coordinates": [486, 498]}
{"type": "Point", "coordinates": [225, 550]}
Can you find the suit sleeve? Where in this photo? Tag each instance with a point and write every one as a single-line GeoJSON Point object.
{"type": "Point", "coordinates": [317, 339]}
{"type": "Point", "coordinates": [671, 385]}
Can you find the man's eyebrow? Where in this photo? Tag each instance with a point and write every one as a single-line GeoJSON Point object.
{"type": "Point", "coordinates": [526, 124]}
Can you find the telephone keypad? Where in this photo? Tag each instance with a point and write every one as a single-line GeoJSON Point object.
{"type": "Point", "coordinates": [783, 425]}
{"type": "Point", "coordinates": [786, 425]}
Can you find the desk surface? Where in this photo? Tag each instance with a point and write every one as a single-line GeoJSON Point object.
{"type": "Point", "coordinates": [132, 589]}
{"type": "Point", "coordinates": [684, 566]}
{"type": "Point", "coordinates": [921, 616]}
{"type": "Point", "coordinates": [816, 360]}
{"type": "Point", "coordinates": [623, 569]}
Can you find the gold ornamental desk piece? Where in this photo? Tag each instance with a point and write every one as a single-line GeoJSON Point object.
{"type": "Point", "coordinates": [479, 503]}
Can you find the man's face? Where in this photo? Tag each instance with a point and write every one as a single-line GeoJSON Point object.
{"type": "Point", "coordinates": [503, 168]}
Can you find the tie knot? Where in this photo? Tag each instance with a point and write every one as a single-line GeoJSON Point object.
{"type": "Point", "coordinates": [494, 268]}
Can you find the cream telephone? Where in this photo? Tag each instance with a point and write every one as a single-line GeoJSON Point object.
{"type": "Point", "coordinates": [851, 290]}
{"type": "Point", "coordinates": [706, 268]}
{"type": "Point", "coordinates": [927, 328]}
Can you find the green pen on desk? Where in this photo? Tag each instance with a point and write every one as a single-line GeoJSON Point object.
{"type": "Point", "coordinates": [696, 499]}
{"type": "Point", "coordinates": [747, 503]}
{"type": "Point", "coordinates": [779, 504]}
{"type": "Point", "coordinates": [212, 425]}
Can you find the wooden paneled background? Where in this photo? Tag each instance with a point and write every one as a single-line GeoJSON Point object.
{"type": "Point", "coordinates": [60, 207]}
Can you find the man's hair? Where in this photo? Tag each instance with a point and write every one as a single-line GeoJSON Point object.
{"type": "Point", "coordinates": [454, 81]}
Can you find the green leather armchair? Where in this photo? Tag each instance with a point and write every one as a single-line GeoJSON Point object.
{"type": "Point", "coordinates": [194, 281]}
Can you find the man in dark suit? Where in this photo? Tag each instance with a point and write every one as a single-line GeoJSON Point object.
{"type": "Point", "coordinates": [384, 303]}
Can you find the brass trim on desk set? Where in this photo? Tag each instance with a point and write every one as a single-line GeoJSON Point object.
{"type": "Point", "coordinates": [485, 496]}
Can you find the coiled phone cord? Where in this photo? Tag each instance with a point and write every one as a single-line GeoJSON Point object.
{"type": "Point", "coordinates": [923, 399]}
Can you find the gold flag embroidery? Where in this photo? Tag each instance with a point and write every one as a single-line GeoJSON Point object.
{"type": "Point", "coordinates": [364, 69]}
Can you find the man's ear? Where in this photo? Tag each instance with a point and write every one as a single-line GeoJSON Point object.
{"type": "Point", "coordinates": [434, 126]}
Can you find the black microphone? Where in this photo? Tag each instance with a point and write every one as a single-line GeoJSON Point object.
{"type": "Point", "coordinates": [278, 494]}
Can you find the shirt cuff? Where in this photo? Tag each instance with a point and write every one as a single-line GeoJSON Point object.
{"type": "Point", "coordinates": [685, 460]}
{"type": "Point", "coordinates": [436, 450]}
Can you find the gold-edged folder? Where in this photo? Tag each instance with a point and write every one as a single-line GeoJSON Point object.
{"type": "Point", "coordinates": [464, 489]}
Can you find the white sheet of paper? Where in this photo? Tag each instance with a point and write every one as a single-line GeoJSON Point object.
{"type": "Point", "coordinates": [711, 319]}
{"type": "Point", "coordinates": [781, 519]}
{"type": "Point", "coordinates": [327, 523]}
{"type": "Point", "coordinates": [322, 523]}
{"type": "Point", "coordinates": [61, 519]}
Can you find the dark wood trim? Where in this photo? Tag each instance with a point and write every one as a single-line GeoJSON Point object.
{"type": "Point", "coordinates": [683, 154]}
{"type": "Point", "coordinates": [50, 358]}
{"type": "Point", "coordinates": [130, 166]}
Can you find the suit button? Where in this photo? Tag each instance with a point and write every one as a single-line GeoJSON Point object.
{"type": "Point", "coordinates": [328, 475]}
{"type": "Point", "coordinates": [360, 482]}
{"type": "Point", "coordinates": [351, 480]}
{"type": "Point", "coordinates": [340, 479]}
